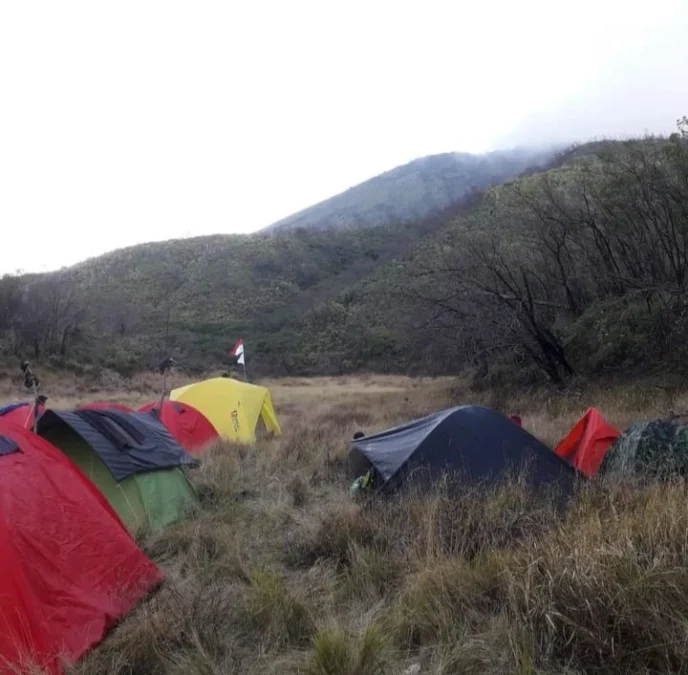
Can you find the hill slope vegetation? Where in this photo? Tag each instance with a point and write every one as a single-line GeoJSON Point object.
{"type": "Point", "coordinates": [194, 297]}
{"type": "Point", "coordinates": [577, 268]}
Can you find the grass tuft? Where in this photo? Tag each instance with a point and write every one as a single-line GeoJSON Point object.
{"type": "Point", "coordinates": [280, 615]}
{"type": "Point", "coordinates": [336, 653]}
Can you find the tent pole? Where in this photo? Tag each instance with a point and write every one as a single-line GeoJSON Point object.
{"type": "Point", "coordinates": [165, 368]}
{"type": "Point", "coordinates": [164, 389]}
{"type": "Point", "coordinates": [35, 405]}
{"type": "Point", "coordinates": [31, 382]}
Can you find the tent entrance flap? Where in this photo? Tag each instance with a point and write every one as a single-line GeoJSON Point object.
{"type": "Point", "coordinates": [165, 496]}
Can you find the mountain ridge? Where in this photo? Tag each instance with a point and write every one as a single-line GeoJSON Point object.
{"type": "Point", "coordinates": [414, 190]}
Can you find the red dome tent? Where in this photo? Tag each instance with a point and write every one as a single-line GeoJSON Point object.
{"type": "Point", "coordinates": [69, 569]}
{"type": "Point", "coordinates": [106, 405]}
{"type": "Point", "coordinates": [587, 443]}
{"type": "Point", "coordinates": [191, 428]}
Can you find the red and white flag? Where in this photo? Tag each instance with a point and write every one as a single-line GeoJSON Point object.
{"type": "Point", "coordinates": [238, 351]}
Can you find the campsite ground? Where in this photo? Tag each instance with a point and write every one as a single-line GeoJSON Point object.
{"type": "Point", "coordinates": [281, 572]}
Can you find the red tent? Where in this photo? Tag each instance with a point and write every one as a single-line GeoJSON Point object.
{"type": "Point", "coordinates": [69, 569]}
{"type": "Point", "coordinates": [587, 443]}
{"type": "Point", "coordinates": [191, 428]}
{"type": "Point", "coordinates": [21, 414]}
{"type": "Point", "coordinates": [105, 405]}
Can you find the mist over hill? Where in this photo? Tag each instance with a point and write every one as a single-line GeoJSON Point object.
{"type": "Point", "coordinates": [415, 190]}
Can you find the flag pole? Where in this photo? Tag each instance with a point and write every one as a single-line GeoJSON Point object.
{"type": "Point", "coordinates": [238, 352]}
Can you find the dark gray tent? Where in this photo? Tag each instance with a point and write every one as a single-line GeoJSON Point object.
{"type": "Point", "coordinates": [474, 442]}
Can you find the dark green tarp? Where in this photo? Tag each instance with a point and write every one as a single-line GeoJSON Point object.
{"type": "Point", "coordinates": [652, 449]}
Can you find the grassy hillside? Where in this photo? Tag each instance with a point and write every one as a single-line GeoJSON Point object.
{"type": "Point", "coordinates": [194, 297]}
{"type": "Point", "coordinates": [414, 191]}
{"type": "Point", "coordinates": [579, 269]}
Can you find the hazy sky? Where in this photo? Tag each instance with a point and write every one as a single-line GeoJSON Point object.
{"type": "Point", "coordinates": [128, 121]}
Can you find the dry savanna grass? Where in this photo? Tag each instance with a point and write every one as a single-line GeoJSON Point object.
{"type": "Point", "coordinates": [280, 572]}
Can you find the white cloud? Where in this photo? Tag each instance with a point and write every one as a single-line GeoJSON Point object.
{"type": "Point", "coordinates": [136, 121]}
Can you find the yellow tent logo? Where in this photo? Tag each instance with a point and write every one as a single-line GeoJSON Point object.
{"type": "Point", "coordinates": [235, 421]}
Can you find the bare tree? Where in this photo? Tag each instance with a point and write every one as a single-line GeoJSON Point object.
{"type": "Point", "coordinates": [536, 255]}
{"type": "Point", "coordinates": [51, 314]}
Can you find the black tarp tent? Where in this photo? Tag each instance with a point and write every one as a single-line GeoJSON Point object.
{"type": "Point", "coordinates": [474, 442]}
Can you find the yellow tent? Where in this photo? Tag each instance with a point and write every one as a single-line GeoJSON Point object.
{"type": "Point", "coordinates": [231, 406]}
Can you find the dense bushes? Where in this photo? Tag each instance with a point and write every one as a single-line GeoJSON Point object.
{"type": "Point", "coordinates": [581, 269]}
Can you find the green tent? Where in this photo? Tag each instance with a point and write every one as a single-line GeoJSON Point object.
{"type": "Point", "coordinates": [132, 459]}
{"type": "Point", "coordinates": [655, 450]}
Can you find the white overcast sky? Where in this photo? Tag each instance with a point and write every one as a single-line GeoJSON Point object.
{"type": "Point", "coordinates": [125, 122]}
